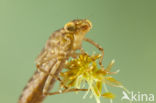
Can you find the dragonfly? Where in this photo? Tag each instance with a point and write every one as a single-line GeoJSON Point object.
{"type": "Point", "coordinates": [61, 45]}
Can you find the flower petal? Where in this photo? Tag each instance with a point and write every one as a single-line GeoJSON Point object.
{"type": "Point", "coordinates": [108, 95]}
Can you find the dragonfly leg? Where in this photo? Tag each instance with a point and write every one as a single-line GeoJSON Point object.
{"type": "Point", "coordinates": [75, 55]}
{"type": "Point", "coordinates": [66, 91]}
{"type": "Point", "coordinates": [56, 77]}
{"type": "Point", "coordinates": [99, 47]}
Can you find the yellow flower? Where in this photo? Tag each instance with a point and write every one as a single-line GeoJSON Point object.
{"type": "Point", "coordinates": [84, 70]}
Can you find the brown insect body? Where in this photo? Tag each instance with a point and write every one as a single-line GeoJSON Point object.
{"type": "Point", "coordinates": [60, 46]}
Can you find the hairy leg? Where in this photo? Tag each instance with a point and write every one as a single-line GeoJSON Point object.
{"type": "Point", "coordinates": [49, 78]}
{"type": "Point", "coordinates": [66, 91]}
{"type": "Point", "coordinates": [56, 77]}
{"type": "Point", "coordinates": [99, 47]}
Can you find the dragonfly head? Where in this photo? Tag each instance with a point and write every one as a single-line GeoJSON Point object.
{"type": "Point", "coordinates": [78, 26]}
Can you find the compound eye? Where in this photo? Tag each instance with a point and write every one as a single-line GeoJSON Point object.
{"type": "Point", "coordinates": [84, 27]}
{"type": "Point", "coordinates": [70, 27]}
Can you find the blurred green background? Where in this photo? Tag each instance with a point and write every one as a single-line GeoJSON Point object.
{"type": "Point", "coordinates": [126, 29]}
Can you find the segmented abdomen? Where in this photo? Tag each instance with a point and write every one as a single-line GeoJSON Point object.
{"type": "Point", "coordinates": [32, 93]}
{"type": "Point", "coordinates": [58, 46]}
